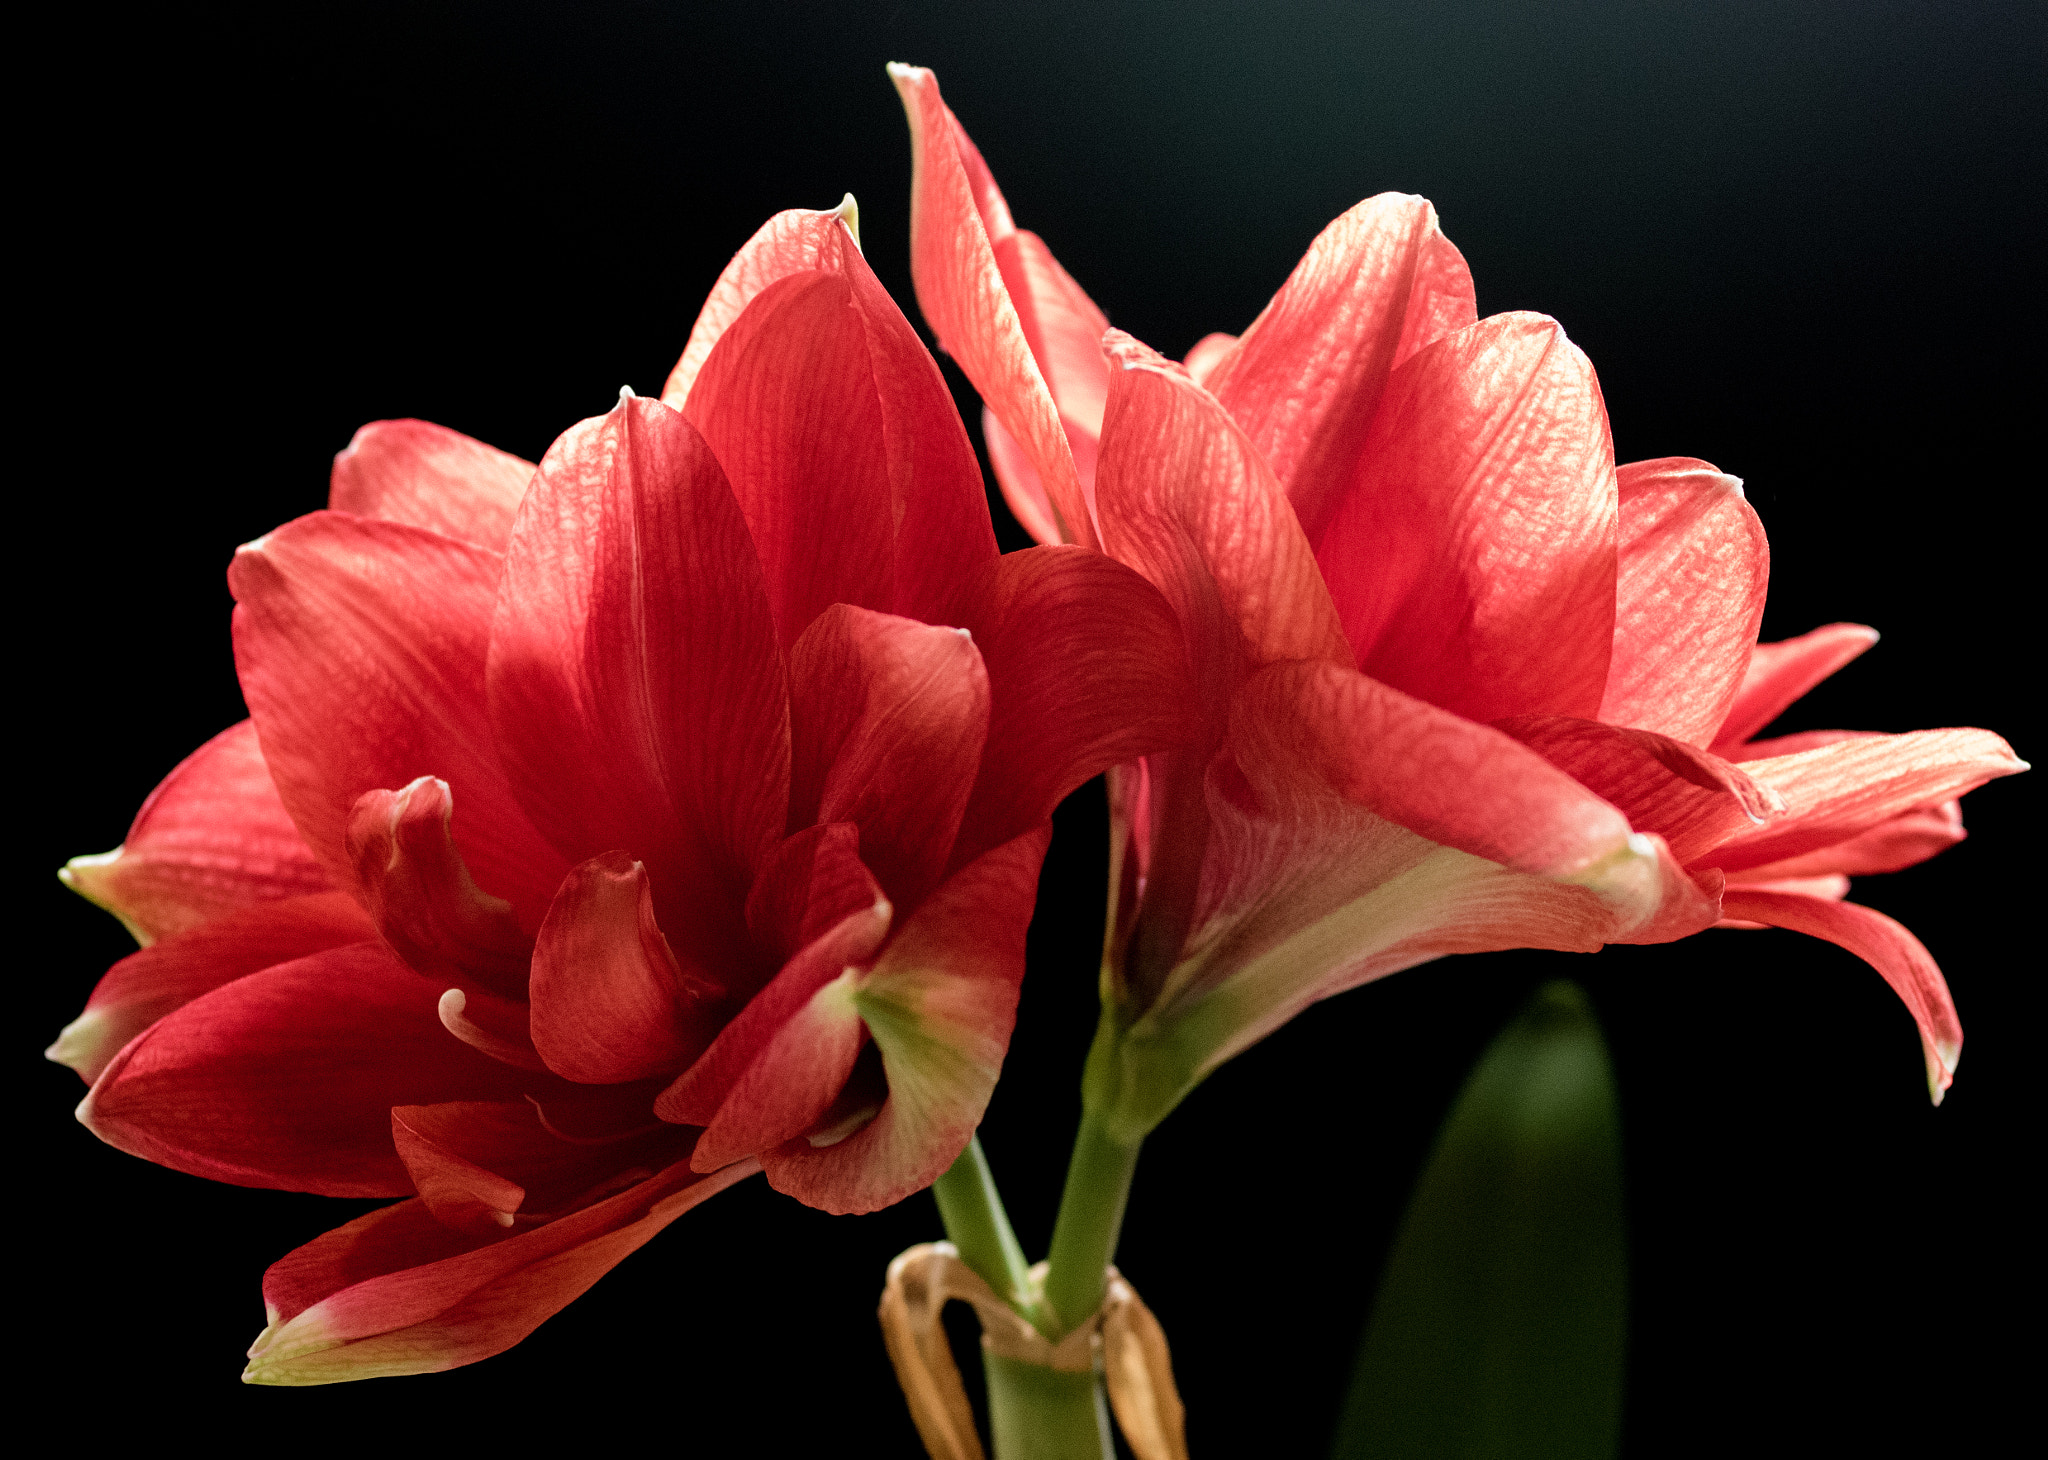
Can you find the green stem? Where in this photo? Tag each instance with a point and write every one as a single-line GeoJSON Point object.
{"type": "Point", "coordinates": [1037, 1413]}
{"type": "Point", "coordinates": [972, 1210]}
{"type": "Point", "coordinates": [1084, 1235]}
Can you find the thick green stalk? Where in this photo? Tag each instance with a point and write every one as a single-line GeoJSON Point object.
{"type": "Point", "coordinates": [1036, 1413]}
{"type": "Point", "coordinates": [1084, 1235]}
{"type": "Point", "coordinates": [972, 1210]}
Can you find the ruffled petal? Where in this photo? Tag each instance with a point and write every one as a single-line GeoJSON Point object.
{"type": "Point", "coordinates": [1694, 800]}
{"type": "Point", "coordinates": [700, 1093]}
{"type": "Point", "coordinates": [286, 1078]}
{"type": "Point", "coordinates": [143, 987]}
{"type": "Point", "coordinates": [1474, 564]}
{"type": "Point", "coordinates": [940, 1004]}
{"type": "Point", "coordinates": [1836, 792]}
{"type": "Point", "coordinates": [361, 648]}
{"type": "Point", "coordinates": [888, 718]}
{"type": "Point", "coordinates": [1886, 946]}
{"type": "Point", "coordinates": [398, 1292]}
{"type": "Point", "coordinates": [610, 1001]}
{"type": "Point", "coordinates": [1087, 670]}
{"type": "Point", "coordinates": [1376, 285]}
{"type": "Point", "coordinates": [636, 691]}
{"type": "Point", "coordinates": [411, 876]}
{"type": "Point", "coordinates": [814, 879]}
{"type": "Point", "coordinates": [957, 220]}
{"type": "Point", "coordinates": [429, 476]}
{"type": "Point", "coordinates": [1780, 673]}
{"type": "Point", "coordinates": [211, 838]}
{"type": "Point", "coordinates": [1694, 567]}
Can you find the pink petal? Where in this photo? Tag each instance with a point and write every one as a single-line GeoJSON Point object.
{"type": "Point", "coordinates": [1886, 946]}
{"type": "Point", "coordinates": [397, 1292]}
{"type": "Point", "coordinates": [610, 1001]}
{"type": "Point", "coordinates": [1694, 566]}
{"type": "Point", "coordinates": [411, 877]}
{"type": "Point", "coordinates": [1022, 490]}
{"type": "Point", "coordinates": [1188, 502]}
{"type": "Point", "coordinates": [286, 1078]}
{"type": "Point", "coordinates": [211, 838]}
{"type": "Point", "coordinates": [1378, 284]}
{"type": "Point", "coordinates": [1897, 842]}
{"type": "Point", "coordinates": [1209, 352]}
{"type": "Point", "coordinates": [1087, 670]}
{"type": "Point", "coordinates": [360, 646]}
{"type": "Point", "coordinates": [795, 241]}
{"type": "Point", "coordinates": [1694, 800]}
{"type": "Point", "coordinates": [1840, 791]}
{"type": "Point", "coordinates": [957, 220]}
{"type": "Point", "coordinates": [940, 1004]}
{"type": "Point", "coordinates": [1456, 783]}
{"type": "Point", "coordinates": [1474, 563]}
{"type": "Point", "coordinates": [888, 718]}
{"type": "Point", "coordinates": [429, 476]}
{"type": "Point", "coordinates": [635, 689]}
{"type": "Point", "coordinates": [143, 987]}
{"type": "Point", "coordinates": [1780, 673]}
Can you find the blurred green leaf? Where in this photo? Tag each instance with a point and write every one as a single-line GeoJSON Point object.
{"type": "Point", "coordinates": [1500, 1323]}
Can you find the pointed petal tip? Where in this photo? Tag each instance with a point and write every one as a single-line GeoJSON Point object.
{"type": "Point", "coordinates": [848, 213]}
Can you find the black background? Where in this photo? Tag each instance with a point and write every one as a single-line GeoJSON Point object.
{"type": "Point", "coordinates": [1800, 240]}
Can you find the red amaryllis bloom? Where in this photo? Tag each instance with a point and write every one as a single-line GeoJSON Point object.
{"type": "Point", "coordinates": [1464, 684]}
{"type": "Point", "coordinates": [608, 830]}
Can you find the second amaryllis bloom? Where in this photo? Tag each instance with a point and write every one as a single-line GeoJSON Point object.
{"type": "Point", "coordinates": [609, 830]}
{"type": "Point", "coordinates": [1464, 684]}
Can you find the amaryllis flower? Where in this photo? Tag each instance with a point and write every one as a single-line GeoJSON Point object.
{"type": "Point", "coordinates": [609, 830]}
{"type": "Point", "coordinates": [1465, 685]}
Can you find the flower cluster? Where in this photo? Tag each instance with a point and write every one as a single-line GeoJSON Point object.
{"type": "Point", "coordinates": [609, 829]}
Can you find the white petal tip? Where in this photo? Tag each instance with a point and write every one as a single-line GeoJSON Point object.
{"type": "Point", "coordinates": [626, 393]}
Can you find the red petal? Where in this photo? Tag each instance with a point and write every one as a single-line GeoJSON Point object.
{"type": "Point", "coordinates": [460, 1193]}
{"type": "Point", "coordinates": [1842, 790]}
{"type": "Point", "coordinates": [1694, 800]}
{"type": "Point", "coordinates": [1458, 784]}
{"type": "Point", "coordinates": [360, 646]}
{"type": "Point", "coordinates": [1019, 481]}
{"type": "Point", "coordinates": [815, 879]}
{"type": "Point", "coordinates": [957, 220]}
{"type": "Point", "coordinates": [635, 688]}
{"type": "Point", "coordinates": [1473, 564]}
{"type": "Point", "coordinates": [796, 241]}
{"type": "Point", "coordinates": [1780, 673]}
{"type": "Point", "coordinates": [286, 1078]}
{"type": "Point", "coordinates": [700, 1092]}
{"type": "Point", "coordinates": [211, 838]}
{"type": "Point", "coordinates": [1188, 502]}
{"type": "Point", "coordinates": [792, 1081]}
{"type": "Point", "coordinates": [1086, 670]}
{"type": "Point", "coordinates": [787, 404]}
{"type": "Point", "coordinates": [410, 875]}
{"type": "Point", "coordinates": [396, 1292]}
{"type": "Point", "coordinates": [888, 718]}
{"type": "Point", "coordinates": [1892, 845]}
{"type": "Point", "coordinates": [143, 987]}
{"type": "Point", "coordinates": [1377, 285]}
{"type": "Point", "coordinates": [1209, 352]}
{"type": "Point", "coordinates": [610, 1002]}
{"type": "Point", "coordinates": [1886, 946]}
{"type": "Point", "coordinates": [1694, 566]}
{"type": "Point", "coordinates": [940, 1003]}
{"type": "Point", "coordinates": [429, 476]}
